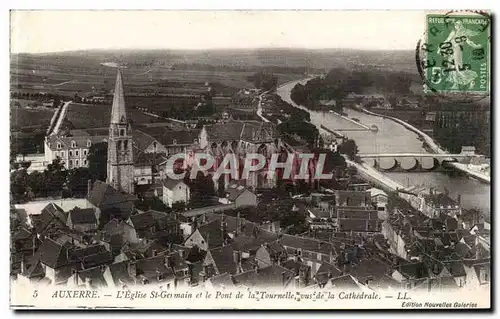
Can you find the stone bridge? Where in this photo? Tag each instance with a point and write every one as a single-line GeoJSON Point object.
{"type": "Point", "coordinates": [416, 162]}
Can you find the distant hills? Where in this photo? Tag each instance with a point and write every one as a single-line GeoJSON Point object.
{"type": "Point", "coordinates": [310, 60]}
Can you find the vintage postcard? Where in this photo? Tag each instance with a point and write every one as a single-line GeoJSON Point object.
{"type": "Point", "coordinates": [250, 159]}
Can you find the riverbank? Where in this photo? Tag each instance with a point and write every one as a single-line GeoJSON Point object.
{"type": "Point", "coordinates": [430, 143]}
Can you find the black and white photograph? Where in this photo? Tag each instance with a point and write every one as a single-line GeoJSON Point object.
{"type": "Point", "coordinates": [246, 159]}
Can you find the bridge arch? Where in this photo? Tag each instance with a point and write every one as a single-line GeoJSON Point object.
{"type": "Point", "coordinates": [409, 164]}
{"type": "Point", "coordinates": [388, 164]}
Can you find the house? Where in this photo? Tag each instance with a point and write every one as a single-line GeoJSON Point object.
{"type": "Point", "coordinates": [411, 274]}
{"type": "Point", "coordinates": [352, 198]}
{"type": "Point", "coordinates": [301, 271]}
{"type": "Point", "coordinates": [270, 277]}
{"type": "Point", "coordinates": [221, 260]}
{"type": "Point", "coordinates": [110, 203]}
{"type": "Point", "coordinates": [83, 220]}
{"type": "Point", "coordinates": [51, 261]}
{"type": "Point", "coordinates": [92, 278]}
{"type": "Point", "coordinates": [240, 195]}
{"type": "Point", "coordinates": [175, 191]}
{"type": "Point", "coordinates": [478, 272]}
{"type": "Point", "coordinates": [121, 275]}
{"type": "Point", "coordinates": [271, 254]}
{"type": "Point", "coordinates": [312, 251]}
{"type": "Point", "coordinates": [326, 272]}
{"type": "Point", "coordinates": [379, 199]}
{"type": "Point", "coordinates": [433, 205]}
{"type": "Point", "coordinates": [208, 236]}
{"type": "Point", "coordinates": [52, 218]}
{"type": "Point", "coordinates": [357, 219]}
{"type": "Point", "coordinates": [154, 270]}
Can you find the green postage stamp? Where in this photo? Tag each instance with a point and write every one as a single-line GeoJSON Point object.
{"type": "Point", "coordinates": [457, 53]}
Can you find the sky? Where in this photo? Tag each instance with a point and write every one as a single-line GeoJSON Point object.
{"type": "Point", "coordinates": [55, 31]}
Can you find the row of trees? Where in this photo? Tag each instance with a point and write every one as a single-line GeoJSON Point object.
{"type": "Point", "coordinates": [340, 82]}
{"type": "Point", "coordinates": [264, 80]}
{"type": "Point", "coordinates": [56, 180]}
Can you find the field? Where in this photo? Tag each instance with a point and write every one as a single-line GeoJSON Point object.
{"type": "Point", "coordinates": [81, 72]}
{"type": "Point", "coordinates": [91, 116]}
{"type": "Point", "coordinates": [23, 119]}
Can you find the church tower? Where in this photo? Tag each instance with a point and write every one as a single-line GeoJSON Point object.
{"type": "Point", "coordinates": [120, 157]}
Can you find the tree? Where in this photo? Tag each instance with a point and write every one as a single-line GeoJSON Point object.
{"type": "Point", "coordinates": [349, 148]}
{"type": "Point", "coordinates": [98, 161]}
{"type": "Point", "coordinates": [77, 181]}
{"type": "Point", "coordinates": [19, 181]}
{"type": "Point", "coordinates": [55, 176]}
{"type": "Point", "coordinates": [57, 101]}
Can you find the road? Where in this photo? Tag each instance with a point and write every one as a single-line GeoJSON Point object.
{"type": "Point", "coordinates": [259, 107]}
{"type": "Point", "coordinates": [60, 120]}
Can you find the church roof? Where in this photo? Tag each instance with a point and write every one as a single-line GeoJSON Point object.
{"type": "Point", "coordinates": [118, 112]}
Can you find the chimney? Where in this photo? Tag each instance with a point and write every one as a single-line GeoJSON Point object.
{"type": "Point", "coordinates": [88, 283]}
{"type": "Point", "coordinates": [131, 267]}
{"type": "Point", "coordinates": [283, 278]}
{"type": "Point", "coordinates": [237, 224]}
{"type": "Point", "coordinates": [459, 199]}
{"type": "Point", "coordinates": [89, 188]}
{"type": "Point", "coordinates": [22, 264]}
{"type": "Point", "coordinates": [75, 279]}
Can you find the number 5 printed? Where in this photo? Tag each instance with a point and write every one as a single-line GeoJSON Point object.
{"type": "Point", "coordinates": [437, 75]}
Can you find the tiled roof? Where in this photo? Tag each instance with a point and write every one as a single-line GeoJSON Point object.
{"type": "Point", "coordinates": [152, 267]}
{"type": "Point", "coordinates": [171, 183]}
{"type": "Point", "coordinates": [456, 268]}
{"type": "Point", "coordinates": [80, 141]}
{"type": "Point", "coordinates": [168, 137]}
{"type": "Point", "coordinates": [223, 259]}
{"type": "Point", "coordinates": [325, 272]}
{"type": "Point", "coordinates": [82, 216]}
{"type": "Point", "coordinates": [53, 254]}
{"type": "Point", "coordinates": [95, 277]}
{"type": "Point", "coordinates": [104, 196]}
{"type": "Point", "coordinates": [307, 243]}
{"type": "Point", "coordinates": [213, 234]}
{"type": "Point", "coordinates": [344, 282]}
{"type": "Point", "coordinates": [440, 200]}
{"type": "Point", "coordinates": [120, 274]}
{"type": "Point", "coordinates": [234, 190]}
{"type": "Point", "coordinates": [222, 281]}
{"type": "Point", "coordinates": [143, 221]}
{"type": "Point", "coordinates": [249, 131]}
{"type": "Point", "coordinates": [414, 270]}
{"type": "Point", "coordinates": [369, 269]}
{"type": "Point", "coordinates": [272, 276]}
{"type": "Point", "coordinates": [352, 198]}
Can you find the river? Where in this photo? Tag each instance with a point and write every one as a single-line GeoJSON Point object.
{"type": "Point", "coordinates": [395, 138]}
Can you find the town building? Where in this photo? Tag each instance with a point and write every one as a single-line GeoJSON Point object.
{"type": "Point", "coordinates": [175, 191]}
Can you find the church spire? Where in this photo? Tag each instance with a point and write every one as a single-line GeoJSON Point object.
{"type": "Point", "coordinates": [118, 112]}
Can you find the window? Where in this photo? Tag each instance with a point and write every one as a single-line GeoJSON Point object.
{"type": "Point", "coordinates": [76, 153]}
{"type": "Point", "coordinates": [89, 143]}
{"type": "Point", "coordinates": [70, 163]}
{"type": "Point", "coordinates": [70, 153]}
{"type": "Point", "coordinates": [119, 145]}
{"type": "Point", "coordinates": [125, 145]}
{"type": "Point", "coordinates": [76, 163]}
{"type": "Point", "coordinates": [154, 146]}
{"type": "Point", "coordinates": [58, 145]}
{"type": "Point", "coordinates": [122, 132]}
{"type": "Point", "coordinates": [174, 142]}
{"type": "Point", "coordinates": [62, 154]}
{"type": "Point", "coordinates": [84, 162]}
{"type": "Point", "coordinates": [73, 144]}
{"type": "Point", "coordinates": [85, 152]}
